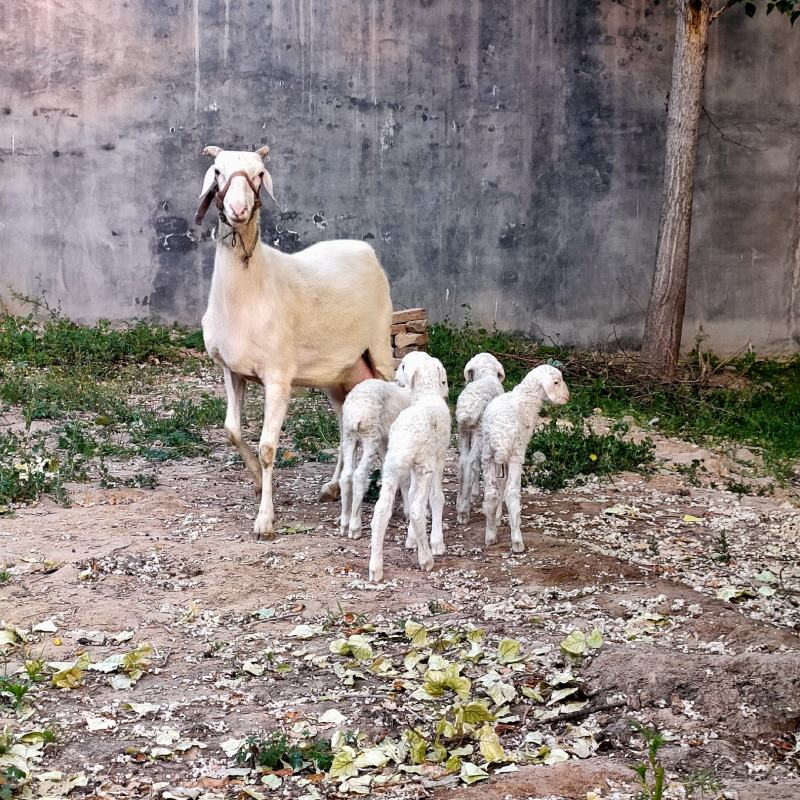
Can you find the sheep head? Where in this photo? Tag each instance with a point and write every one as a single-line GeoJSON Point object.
{"type": "Point", "coordinates": [238, 176]}
{"type": "Point", "coordinates": [552, 382]}
{"type": "Point", "coordinates": [483, 365]}
{"type": "Point", "coordinates": [422, 373]}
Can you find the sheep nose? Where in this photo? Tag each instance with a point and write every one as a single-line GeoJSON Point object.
{"type": "Point", "coordinates": [238, 209]}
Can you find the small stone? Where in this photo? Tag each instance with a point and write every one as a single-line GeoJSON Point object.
{"type": "Point", "coordinates": [744, 454]}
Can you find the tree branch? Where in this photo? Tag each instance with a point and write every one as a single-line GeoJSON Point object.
{"type": "Point", "coordinates": [723, 9]}
{"type": "Point", "coordinates": [724, 136]}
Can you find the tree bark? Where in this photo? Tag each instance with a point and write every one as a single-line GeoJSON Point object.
{"type": "Point", "coordinates": [661, 340]}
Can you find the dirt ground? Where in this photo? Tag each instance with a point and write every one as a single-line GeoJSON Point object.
{"type": "Point", "coordinates": [706, 648]}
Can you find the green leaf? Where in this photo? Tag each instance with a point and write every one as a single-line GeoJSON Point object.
{"type": "Point", "coordinates": [489, 744]}
{"type": "Point", "coordinates": [508, 652]}
{"type": "Point", "coordinates": [595, 639]}
{"type": "Point", "coordinates": [417, 632]}
{"type": "Point", "coordinates": [437, 681]}
{"type": "Point", "coordinates": [417, 744]}
{"type": "Point", "coordinates": [575, 643]}
{"type": "Point", "coordinates": [344, 764]}
{"type": "Point", "coordinates": [472, 773]}
{"type": "Point", "coordinates": [475, 712]}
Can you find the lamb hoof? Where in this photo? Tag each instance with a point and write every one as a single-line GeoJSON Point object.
{"type": "Point", "coordinates": [517, 547]}
{"type": "Point", "coordinates": [491, 538]}
{"type": "Point", "coordinates": [462, 518]}
{"type": "Point", "coordinates": [329, 492]}
{"type": "Point", "coordinates": [375, 573]}
{"type": "Point", "coordinates": [438, 548]}
{"type": "Point", "coordinates": [354, 532]}
{"type": "Point", "coordinates": [426, 565]}
{"type": "Point", "coordinates": [411, 544]}
{"type": "Point", "coordinates": [263, 529]}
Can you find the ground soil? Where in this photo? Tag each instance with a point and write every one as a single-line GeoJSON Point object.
{"type": "Point", "coordinates": [179, 568]}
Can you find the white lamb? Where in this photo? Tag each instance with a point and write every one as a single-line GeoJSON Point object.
{"type": "Point", "coordinates": [506, 428]}
{"type": "Point", "coordinates": [368, 413]}
{"type": "Point", "coordinates": [484, 376]}
{"type": "Point", "coordinates": [418, 441]}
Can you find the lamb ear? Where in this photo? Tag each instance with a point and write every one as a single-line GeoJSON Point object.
{"type": "Point", "coordinates": [263, 151]}
{"type": "Point", "coordinates": [212, 150]}
{"type": "Point", "coordinates": [210, 188]}
{"type": "Point", "coordinates": [501, 373]}
{"type": "Point", "coordinates": [469, 370]}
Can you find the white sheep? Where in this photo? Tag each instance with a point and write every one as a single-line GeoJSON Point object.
{"type": "Point", "coordinates": [367, 414]}
{"type": "Point", "coordinates": [484, 376]}
{"type": "Point", "coordinates": [506, 429]}
{"type": "Point", "coordinates": [320, 317]}
{"type": "Point", "coordinates": [418, 441]}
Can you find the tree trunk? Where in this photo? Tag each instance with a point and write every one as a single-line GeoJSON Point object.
{"type": "Point", "coordinates": [661, 340]}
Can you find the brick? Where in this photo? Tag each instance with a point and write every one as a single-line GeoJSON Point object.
{"type": "Point", "coordinates": [407, 314]}
{"type": "Point", "coordinates": [408, 339]}
{"type": "Point", "coordinates": [401, 328]}
{"type": "Point", "coordinates": [417, 325]}
{"type": "Point", "coordinates": [399, 352]}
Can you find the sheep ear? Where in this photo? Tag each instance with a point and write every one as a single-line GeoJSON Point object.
{"type": "Point", "coordinates": [266, 183]}
{"type": "Point", "coordinates": [210, 188]}
{"type": "Point", "coordinates": [501, 373]}
{"type": "Point", "coordinates": [263, 151]}
{"type": "Point", "coordinates": [212, 150]}
{"type": "Point", "coordinates": [469, 371]}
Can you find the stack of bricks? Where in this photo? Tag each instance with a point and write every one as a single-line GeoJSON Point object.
{"type": "Point", "coordinates": [409, 332]}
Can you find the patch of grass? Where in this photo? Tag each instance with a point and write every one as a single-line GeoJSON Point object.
{"type": "Point", "coordinates": [760, 408]}
{"type": "Point", "coordinates": [13, 692]}
{"type": "Point", "coordinates": [5, 577]}
{"type": "Point", "coordinates": [312, 424]}
{"type": "Point", "coordinates": [556, 455]}
{"type": "Point", "coordinates": [703, 781]}
{"type": "Point", "coordinates": [57, 341]}
{"type": "Point", "coordinates": [28, 471]}
{"type": "Point", "coordinates": [274, 751]}
{"type": "Point", "coordinates": [12, 779]}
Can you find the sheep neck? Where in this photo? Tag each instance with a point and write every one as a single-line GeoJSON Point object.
{"type": "Point", "coordinates": [238, 239]}
{"type": "Point", "coordinates": [532, 399]}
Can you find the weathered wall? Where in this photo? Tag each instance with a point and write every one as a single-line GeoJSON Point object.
{"type": "Point", "coordinates": [505, 154]}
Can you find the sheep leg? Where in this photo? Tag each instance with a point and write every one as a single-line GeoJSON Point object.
{"type": "Point", "coordinates": [421, 488]}
{"type": "Point", "coordinates": [437, 508]}
{"type": "Point", "coordinates": [380, 521]}
{"type": "Point", "coordinates": [234, 391]}
{"type": "Point", "coordinates": [359, 486]}
{"type": "Point", "coordinates": [490, 500]}
{"type": "Point", "coordinates": [404, 484]}
{"type": "Point", "coordinates": [502, 481]}
{"type": "Point", "coordinates": [411, 538]}
{"type": "Point", "coordinates": [464, 472]}
{"type": "Point", "coordinates": [475, 462]}
{"type": "Point", "coordinates": [276, 401]}
{"type": "Point", "coordinates": [330, 491]}
{"type": "Point", "coordinates": [348, 448]}
{"type": "Point", "coordinates": [512, 494]}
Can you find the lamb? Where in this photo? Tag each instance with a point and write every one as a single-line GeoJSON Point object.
{"type": "Point", "coordinates": [320, 317]}
{"type": "Point", "coordinates": [367, 414]}
{"type": "Point", "coordinates": [506, 429]}
{"type": "Point", "coordinates": [418, 441]}
{"type": "Point", "coordinates": [484, 376]}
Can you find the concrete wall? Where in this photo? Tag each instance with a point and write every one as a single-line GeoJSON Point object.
{"type": "Point", "coordinates": [504, 154]}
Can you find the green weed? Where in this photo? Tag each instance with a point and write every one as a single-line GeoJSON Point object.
{"type": "Point", "coordinates": [274, 751]}
{"type": "Point", "coordinates": [652, 776]}
{"type": "Point", "coordinates": [13, 692]}
{"type": "Point", "coordinates": [312, 425]}
{"type": "Point", "coordinates": [556, 455]}
{"type": "Point", "coordinates": [5, 576]}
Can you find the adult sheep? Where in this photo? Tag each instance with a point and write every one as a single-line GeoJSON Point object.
{"type": "Point", "coordinates": [318, 318]}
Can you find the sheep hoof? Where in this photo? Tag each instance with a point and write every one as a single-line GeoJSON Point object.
{"type": "Point", "coordinates": [263, 529]}
{"type": "Point", "coordinates": [411, 543]}
{"type": "Point", "coordinates": [354, 533]}
{"type": "Point", "coordinates": [462, 517]}
{"type": "Point", "coordinates": [375, 573]}
{"type": "Point", "coordinates": [438, 548]}
{"type": "Point", "coordinates": [329, 492]}
{"type": "Point", "coordinates": [491, 538]}
{"type": "Point", "coordinates": [517, 547]}
{"type": "Point", "coordinates": [426, 565]}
